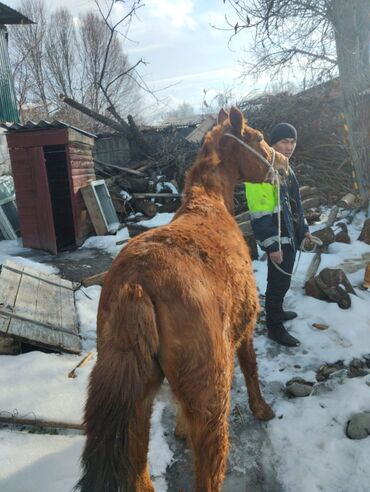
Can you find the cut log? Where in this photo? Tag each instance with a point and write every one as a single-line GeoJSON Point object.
{"type": "Point", "coordinates": [132, 184]}
{"type": "Point", "coordinates": [313, 267]}
{"type": "Point", "coordinates": [326, 235]}
{"type": "Point", "coordinates": [347, 201]}
{"type": "Point", "coordinates": [308, 192]}
{"type": "Point", "coordinates": [96, 116]}
{"type": "Point", "coordinates": [123, 169]}
{"type": "Point", "coordinates": [366, 283]}
{"type": "Point", "coordinates": [365, 233]}
{"type": "Point", "coordinates": [149, 209]}
{"type": "Point", "coordinates": [313, 202]}
{"type": "Point", "coordinates": [97, 279]}
{"type": "Point", "coordinates": [332, 216]}
{"type": "Point", "coordinates": [36, 423]}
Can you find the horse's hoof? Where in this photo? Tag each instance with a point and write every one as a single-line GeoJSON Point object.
{"type": "Point", "coordinates": [263, 412]}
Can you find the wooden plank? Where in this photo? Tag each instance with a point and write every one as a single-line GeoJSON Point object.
{"type": "Point", "coordinates": [157, 195]}
{"type": "Point", "coordinates": [48, 278]}
{"type": "Point", "coordinates": [68, 311]}
{"type": "Point", "coordinates": [48, 305]}
{"type": "Point", "coordinates": [9, 285]}
{"type": "Point", "coordinates": [36, 314]}
{"type": "Point", "coordinates": [43, 336]}
{"type": "Point", "coordinates": [127, 170]}
{"type": "Point", "coordinates": [26, 299]}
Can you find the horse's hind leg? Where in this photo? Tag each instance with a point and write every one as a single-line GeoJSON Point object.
{"type": "Point", "coordinates": [206, 412]}
{"type": "Point", "coordinates": [139, 428]}
{"type": "Point", "coordinates": [248, 364]}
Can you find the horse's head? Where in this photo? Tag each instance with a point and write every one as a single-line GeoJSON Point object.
{"type": "Point", "coordinates": [245, 149]}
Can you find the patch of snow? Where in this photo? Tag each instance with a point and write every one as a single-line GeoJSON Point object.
{"type": "Point", "coordinates": [158, 460]}
{"type": "Point", "coordinates": [38, 463]}
{"type": "Point", "coordinates": [158, 220]}
{"type": "Point", "coordinates": [107, 243]}
{"type": "Point", "coordinates": [310, 450]}
{"type": "Point", "coordinates": [10, 249]}
{"type": "Point", "coordinates": [165, 185]}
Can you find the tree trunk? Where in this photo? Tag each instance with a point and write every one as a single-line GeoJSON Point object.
{"type": "Point", "coordinates": [351, 22]}
{"type": "Point", "coordinates": [96, 116]}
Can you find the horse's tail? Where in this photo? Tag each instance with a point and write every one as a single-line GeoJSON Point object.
{"type": "Point", "coordinates": [121, 390]}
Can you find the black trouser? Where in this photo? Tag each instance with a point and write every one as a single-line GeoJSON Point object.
{"type": "Point", "coordinates": [278, 285]}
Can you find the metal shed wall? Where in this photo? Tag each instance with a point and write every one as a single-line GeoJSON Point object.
{"type": "Point", "coordinates": [8, 104]}
{"type": "Point", "coordinates": [112, 149]}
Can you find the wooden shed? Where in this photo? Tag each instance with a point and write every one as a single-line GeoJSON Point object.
{"type": "Point", "coordinates": [50, 163]}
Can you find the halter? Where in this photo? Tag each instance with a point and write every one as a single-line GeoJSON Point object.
{"type": "Point", "coordinates": [271, 170]}
{"type": "Point", "coordinates": [273, 173]}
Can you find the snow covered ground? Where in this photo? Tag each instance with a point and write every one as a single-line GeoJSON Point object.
{"type": "Point", "coordinates": [308, 447]}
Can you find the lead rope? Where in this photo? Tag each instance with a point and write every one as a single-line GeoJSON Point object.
{"type": "Point", "coordinates": [317, 242]}
{"type": "Point", "coordinates": [276, 181]}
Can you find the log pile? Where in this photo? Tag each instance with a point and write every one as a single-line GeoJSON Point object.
{"type": "Point", "coordinates": [322, 157]}
{"type": "Point", "coordinates": [154, 184]}
{"type": "Point", "coordinates": [152, 181]}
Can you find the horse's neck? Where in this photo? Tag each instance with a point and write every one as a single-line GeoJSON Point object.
{"type": "Point", "coordinates": [210, 184]}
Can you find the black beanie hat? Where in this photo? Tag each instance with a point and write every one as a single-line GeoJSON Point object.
{"type": "Point", "coordinates": [281, 131]}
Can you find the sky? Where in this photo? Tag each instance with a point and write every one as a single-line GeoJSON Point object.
{"type": "Point", "coordinates": [185, 54]}
{"type": "Point", "coordinates": [305, 445]}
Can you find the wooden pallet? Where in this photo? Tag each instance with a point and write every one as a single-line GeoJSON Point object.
{"type": "Point", "coordinates": [38, 308]}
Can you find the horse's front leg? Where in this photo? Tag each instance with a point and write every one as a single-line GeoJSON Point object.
{"type": "Point", "coordinates": [248, 364]}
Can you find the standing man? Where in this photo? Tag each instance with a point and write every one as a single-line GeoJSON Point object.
{"type": "Point", "coordinates": [263, 206]}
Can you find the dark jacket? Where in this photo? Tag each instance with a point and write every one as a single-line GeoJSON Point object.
{"type": "Point", "coordinates": [265, 222]}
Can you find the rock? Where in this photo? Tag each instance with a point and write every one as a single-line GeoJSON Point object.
{"type": "Point", "coordinates": [276, 388]}
{"type": "Point", "coordinates": [357, 368]}
{"type": "Point", "coordinates": [298, 387]}
{"type": "Point", "coordinates": [359, 426]}
{"type": "Point", "coordinates": [367, 360]}
{"type": "Point", "coordinates": [330, 384]}
{"type": "Point", "coordinates": [326, 370]}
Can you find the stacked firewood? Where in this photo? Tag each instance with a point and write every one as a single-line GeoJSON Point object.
{"type": "Point", "coordinates": [322, 157]}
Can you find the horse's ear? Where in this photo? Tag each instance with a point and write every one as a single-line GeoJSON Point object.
{"type": "Point", "coordinates": [236, 120]}
{"type": "Point", "coordinates": [222, 116]}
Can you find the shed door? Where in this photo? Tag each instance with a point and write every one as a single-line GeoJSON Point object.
{"type": "Point", "coordinates": [33, 198]}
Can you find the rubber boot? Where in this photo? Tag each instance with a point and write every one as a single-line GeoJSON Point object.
{"type": "Point", "coordinates": [278, 334]}
{"type": "Point", "coordinates": [288, 315]}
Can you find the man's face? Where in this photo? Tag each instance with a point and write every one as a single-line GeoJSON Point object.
{"type": "Point", "coordinates": [285, 146]}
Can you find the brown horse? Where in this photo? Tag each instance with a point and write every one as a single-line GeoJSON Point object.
{"type": "Point", "coordinates": [176, 303]}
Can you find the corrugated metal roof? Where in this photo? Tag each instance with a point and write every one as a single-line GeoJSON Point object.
{"type": "Point", "coordinates": [11, 16]}
{"type": "Point", "coordinates": [8, 105]}
{"type": "Point", "coordinates": [42, 125]}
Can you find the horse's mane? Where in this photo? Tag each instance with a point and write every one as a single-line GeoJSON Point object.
{"type": "Point", "coordinates": [203, 172]}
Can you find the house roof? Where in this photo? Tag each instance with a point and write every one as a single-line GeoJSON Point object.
{"type": "Point", "coordinates": [41, 125]}
{"type": "Point", "coordinates": [11, 16]}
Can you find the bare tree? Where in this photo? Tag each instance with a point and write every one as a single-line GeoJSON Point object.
{"type": "Point", "coordinates": [86, 63]}
{"type": "Point", "coordinates": [320, 38]}
{"type": "Point", "coordinates": [27, 51]}
{"type": "Point", "coordinates": [61, 55]}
